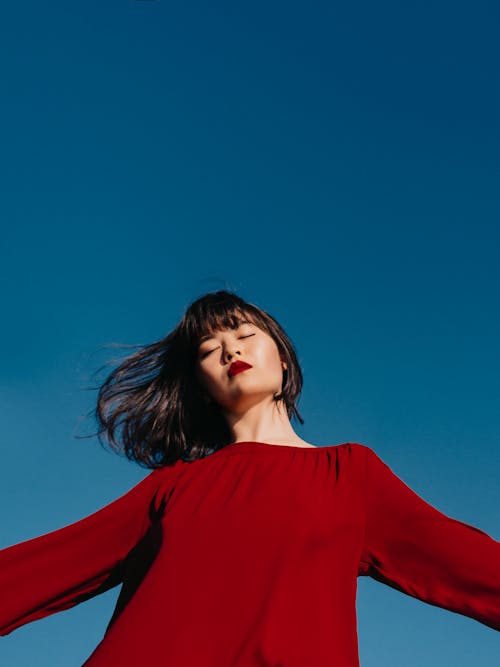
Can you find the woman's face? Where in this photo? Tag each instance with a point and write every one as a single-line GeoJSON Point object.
{"type": "Point", "coordinates": [247, 343]}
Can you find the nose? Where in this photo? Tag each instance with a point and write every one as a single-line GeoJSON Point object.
{"type": "Point", "coordinates": [230, 353]}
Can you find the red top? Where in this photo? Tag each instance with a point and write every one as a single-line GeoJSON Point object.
{"type": "Point", "coordinates": [249, 557]}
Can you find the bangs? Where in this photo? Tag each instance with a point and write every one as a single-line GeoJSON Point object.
{"type": "Point", "coordinates": [215, 315]}
{"type": "Point", "coordinates": [230, 319]}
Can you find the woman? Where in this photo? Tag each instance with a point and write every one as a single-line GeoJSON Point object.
{"type": "Point", "coordinates": [243, 545]}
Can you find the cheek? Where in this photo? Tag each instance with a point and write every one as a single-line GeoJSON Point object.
{"type": "Point", "coordinates": [270, 359]}
{"type": "Point", "coordinates": [206, 374]}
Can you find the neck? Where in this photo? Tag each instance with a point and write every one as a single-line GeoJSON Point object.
{"type": "Point", "coordinates": [262, 422]}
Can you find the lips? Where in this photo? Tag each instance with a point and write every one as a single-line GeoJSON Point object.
{"type": "Point", "coordinates": [237, 367]}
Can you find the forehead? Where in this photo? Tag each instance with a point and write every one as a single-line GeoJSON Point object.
{"type": "Point", "coordinates": [210, 334]}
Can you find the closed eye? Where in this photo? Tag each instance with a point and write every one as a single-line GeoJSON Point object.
{"type": "Point", "coordinates": [209, 351]}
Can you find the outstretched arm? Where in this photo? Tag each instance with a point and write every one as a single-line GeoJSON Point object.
{"type": "Point", "coordinates": [58, 570]}
{"type": "Point", "coordinates": [415, 548]}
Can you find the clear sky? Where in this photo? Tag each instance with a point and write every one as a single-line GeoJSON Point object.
{"type": "Point", "coordinates": [335, 163]}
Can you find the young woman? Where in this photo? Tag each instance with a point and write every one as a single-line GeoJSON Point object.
{"type": "Point", "coordinates": [242, 546]}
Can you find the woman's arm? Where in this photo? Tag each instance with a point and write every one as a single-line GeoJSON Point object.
{"type": "Point", "coordinates": [58, 570]}
{"type": "Point", "coordinates": [418, 550]}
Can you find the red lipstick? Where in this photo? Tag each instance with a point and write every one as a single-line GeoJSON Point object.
{"type": "Point", "coordinates": [237, 367]}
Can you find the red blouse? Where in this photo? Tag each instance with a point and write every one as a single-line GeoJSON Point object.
{"type": "Point", "coordinates": [249, 557]}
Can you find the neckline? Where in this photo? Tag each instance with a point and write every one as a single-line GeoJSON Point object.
{"type": "Point", "coordinates": [254, 445]}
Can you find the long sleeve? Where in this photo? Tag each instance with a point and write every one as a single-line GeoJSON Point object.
{"type": "Point", "coordinates": [58, 570]}
{"type": "Point", "coordinates": [415, 548]}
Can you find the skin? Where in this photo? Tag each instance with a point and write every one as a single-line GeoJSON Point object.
{"type": "Point", "coordinates": [246, 399]}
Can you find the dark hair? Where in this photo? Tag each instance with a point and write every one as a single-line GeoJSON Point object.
{"type": "Point", "coordinates": [151, 408]}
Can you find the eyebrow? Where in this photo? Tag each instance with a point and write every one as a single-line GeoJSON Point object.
{"type": "Point", "coordinates": [207, 336]}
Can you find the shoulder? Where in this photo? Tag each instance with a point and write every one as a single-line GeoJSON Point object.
{"type": "Point", "coordinates": [354, 459]}
{"type": "Point", "coordinates": [358, 450]}
{"type": "Point", "coordinates": [157, 478]}
{"type": "Point", "coordinates": [364, 459]}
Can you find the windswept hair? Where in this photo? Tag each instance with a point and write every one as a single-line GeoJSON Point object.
{"type": "Point", "coordinates": [152, 409]}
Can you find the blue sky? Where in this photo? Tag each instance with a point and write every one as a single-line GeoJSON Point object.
{"type": "Point", "coordinates": [336, 165]}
